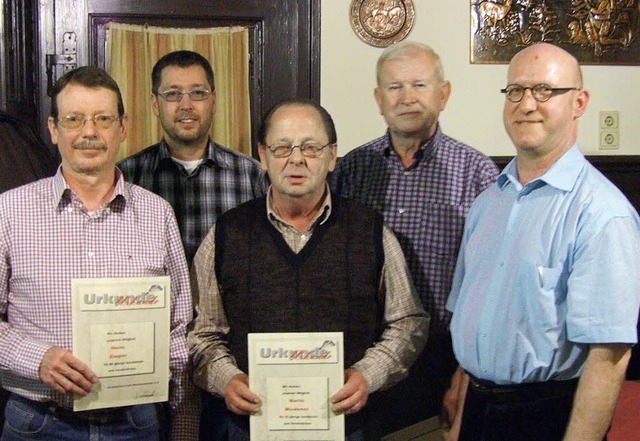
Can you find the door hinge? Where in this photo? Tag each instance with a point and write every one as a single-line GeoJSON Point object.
{"type": "Point", "coordinates": [67, 59]}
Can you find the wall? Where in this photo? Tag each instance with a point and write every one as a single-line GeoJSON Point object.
{"type": "Point", "coordinates": [474, 111]}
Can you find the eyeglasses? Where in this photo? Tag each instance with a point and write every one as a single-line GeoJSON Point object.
{"type": "Point", "coordinates": [308, 149]}
{"type": "Point", "coordinates": [540, 92]}
{"type": "Point", "coordinates": [175, 96]}
{"type": "Point", "coordinates": [74, 122]}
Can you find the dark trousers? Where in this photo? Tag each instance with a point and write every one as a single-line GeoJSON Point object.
{"type": "Point", "coordinates": [239, 430]}
{"type": "Point", "coordinates": [419, 396]}
{"type": "Point", "coordinates": [488, 417]}
{"type": "Point", "coordinates": [214, 419]}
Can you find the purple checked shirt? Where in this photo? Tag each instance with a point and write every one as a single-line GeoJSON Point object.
{"type": "Point", "coordinates": [425, 205]}
{"type": "Point", "coordinates": [46, 239]}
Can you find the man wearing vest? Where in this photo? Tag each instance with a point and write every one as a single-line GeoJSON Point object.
{"type": "Point", "coordinates": [303, 260]}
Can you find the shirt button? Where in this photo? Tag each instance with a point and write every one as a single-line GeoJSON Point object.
{"type": "Point", "coordinates": [91, 254]}
{"type": "Point", "coordinates": [401, 210]}
{"type": "Point", "coordinates": [406, 172]}
{"type": "Point", "coordinates": [303, 236]}
{"type": "Point", "coordinates": [501, 264]}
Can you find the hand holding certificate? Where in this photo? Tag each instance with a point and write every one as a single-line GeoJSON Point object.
{"type": "Point", "coordinates": [121, 330]}
{"type": "Point", "coordinates": [295, 375]}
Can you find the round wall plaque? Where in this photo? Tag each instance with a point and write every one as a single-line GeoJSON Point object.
{"type": "Point", "coordinates": [382, 23]}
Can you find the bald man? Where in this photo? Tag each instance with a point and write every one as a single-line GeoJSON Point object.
{"type": "Point", "coordinates": [546, 290]}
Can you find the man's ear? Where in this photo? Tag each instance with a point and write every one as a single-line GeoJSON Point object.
{"type": "Point", "coordinates": [154, 104]}
{"type": "Point", "coordinates": [263, 156]}
{"type": "Point", "coordinates": [580, 103]}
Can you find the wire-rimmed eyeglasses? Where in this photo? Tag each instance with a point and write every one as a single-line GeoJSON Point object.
{"type": "Point", "coordinates": [540, 92]}
{"type": "Point", "coordinates": [174, 95]}
{"type": "Point", "coordinates": [308, 149]}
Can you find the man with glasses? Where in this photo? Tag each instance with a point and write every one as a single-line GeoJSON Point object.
{"type": "Point", "coordinates": [546, 291]}
{"type": "Point", "coordinates": [85, 222]}
{"type": "Point", "coordinates": [200, 178]}
{"type": "Point", "coordinates": [423, 182]}
{"type": "Point", "coordinates": [303, 260]}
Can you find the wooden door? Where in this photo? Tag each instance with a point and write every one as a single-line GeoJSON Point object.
{"type": "Point", "coordinates": [285, 41]}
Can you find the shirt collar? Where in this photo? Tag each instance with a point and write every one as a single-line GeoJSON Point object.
{"type": "Point", "coordinates": [212, 154]}
{"type": "Point", "coordinates": [426, 150]}
{"type": "Point", "coordinates": [63, 194]}
{"type": "Point", "coordinates": [561, 175]}
{"type": "Point", "coordinates": [323, 214]}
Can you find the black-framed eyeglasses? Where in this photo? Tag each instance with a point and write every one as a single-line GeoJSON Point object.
{"type": "Point", "coordinates": [308, 149]}
{"type": "Point", "coordinates": [174, 96]}
{"type": "Point", "coordinates": [540, 92]}
{"type": "Point", "coordinates": [74, 122]}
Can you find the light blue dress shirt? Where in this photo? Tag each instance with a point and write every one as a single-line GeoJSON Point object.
{"type": "Point", "coordinates": [544, 270]}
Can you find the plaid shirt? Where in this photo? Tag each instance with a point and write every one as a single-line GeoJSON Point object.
{"type": "Point", "coordinates": [425, 205]}
{"type": "Point", "coordinates": [224, 180]}
{"type": "Point", "coordinates": [46, 239]}
{"type": "Point", "coordinates": [384, 364]}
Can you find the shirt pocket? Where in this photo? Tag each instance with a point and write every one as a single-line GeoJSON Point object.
{"type": "Point", "coordinates": [441, 229]}
{"type": "Point", "coordinates": [137, 259]}
{"type": "Point", "coordinates": [549, 277]}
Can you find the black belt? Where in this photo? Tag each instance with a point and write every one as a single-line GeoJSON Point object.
{"type": "Point", "coordinates": [97, 416]}
{"type": "Point", "coordinates": [510, 393]}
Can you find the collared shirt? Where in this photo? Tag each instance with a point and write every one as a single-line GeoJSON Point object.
{"type": "Point", "coordinates": [383, 365]}
{"type": "Point", "coordinates": [225, 179]}
{"type": "Point", "coordinates": [424, 204]}
{"type": "Point", "coordinates": [47, 238]}
{"type": "Point", "coordinates": [545, 270]}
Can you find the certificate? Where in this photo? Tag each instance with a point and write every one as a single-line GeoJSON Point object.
{"type": "Point", "coordinates": [121, 330]}
{"type": "Point", "coordinates": [295, 375]}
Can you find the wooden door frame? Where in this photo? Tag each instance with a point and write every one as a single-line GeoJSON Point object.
{"type": "Point", "coordinates": [285, 41]}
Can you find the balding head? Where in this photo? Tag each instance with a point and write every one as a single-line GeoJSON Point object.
{"type": "Point", "coordinates": [560, 64]}
{"type": "Point", "coordinates": [543, 128]}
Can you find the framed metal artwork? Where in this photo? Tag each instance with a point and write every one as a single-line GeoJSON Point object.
{"type": "Point", "coordinates": [382, 23]}
{"type": "Point", "coordinates": [594, 31]}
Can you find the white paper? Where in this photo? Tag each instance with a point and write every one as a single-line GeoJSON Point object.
{"type": "Point", "coordinates": [121, 330]}
{"type": "Point", "coordinates": [295, 375]}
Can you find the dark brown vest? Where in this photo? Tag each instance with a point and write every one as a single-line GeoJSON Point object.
{"type": "Point", "coordinates": [331, 285]}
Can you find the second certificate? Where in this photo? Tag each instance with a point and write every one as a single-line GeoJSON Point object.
{"type": "Point", "coordinates": [295, 374]}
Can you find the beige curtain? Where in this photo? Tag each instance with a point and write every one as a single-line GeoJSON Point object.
{"type": "Point", "coordinates": [133, 50]}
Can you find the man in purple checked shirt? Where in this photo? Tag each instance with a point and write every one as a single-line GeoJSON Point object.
{"type": "Point", "coordinates": [423, 182]}
{"type": "Point", "coordinates": [84, 222]}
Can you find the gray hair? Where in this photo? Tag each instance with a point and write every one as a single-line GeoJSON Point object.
{"type": "Point", "coordinates": [405, 48]}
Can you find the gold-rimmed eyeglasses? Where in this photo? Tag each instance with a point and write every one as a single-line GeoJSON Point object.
{"type": "Point", "coordinates": [74, 122]}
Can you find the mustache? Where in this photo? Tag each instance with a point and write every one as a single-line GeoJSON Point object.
{"type": "Point", "coordinates": [87, 144]}
{"type": "Point", "coordinates": [189, 115]}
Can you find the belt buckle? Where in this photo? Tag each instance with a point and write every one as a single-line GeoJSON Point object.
{"type": "Point", "coordinates": [497, 394]}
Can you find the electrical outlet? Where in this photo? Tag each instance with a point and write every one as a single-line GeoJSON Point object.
{"type": "Point", "coordinates": [609, 139]}
{"type": "Point", "coordinates": [609, 119]}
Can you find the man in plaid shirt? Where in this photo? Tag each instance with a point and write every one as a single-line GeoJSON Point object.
{"type": "Point", "coordinates": [85, 222]}
{"type": "Point", "coordinates": [200, 178]}
{"type": "Point", "coordinates": [423, 182]}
